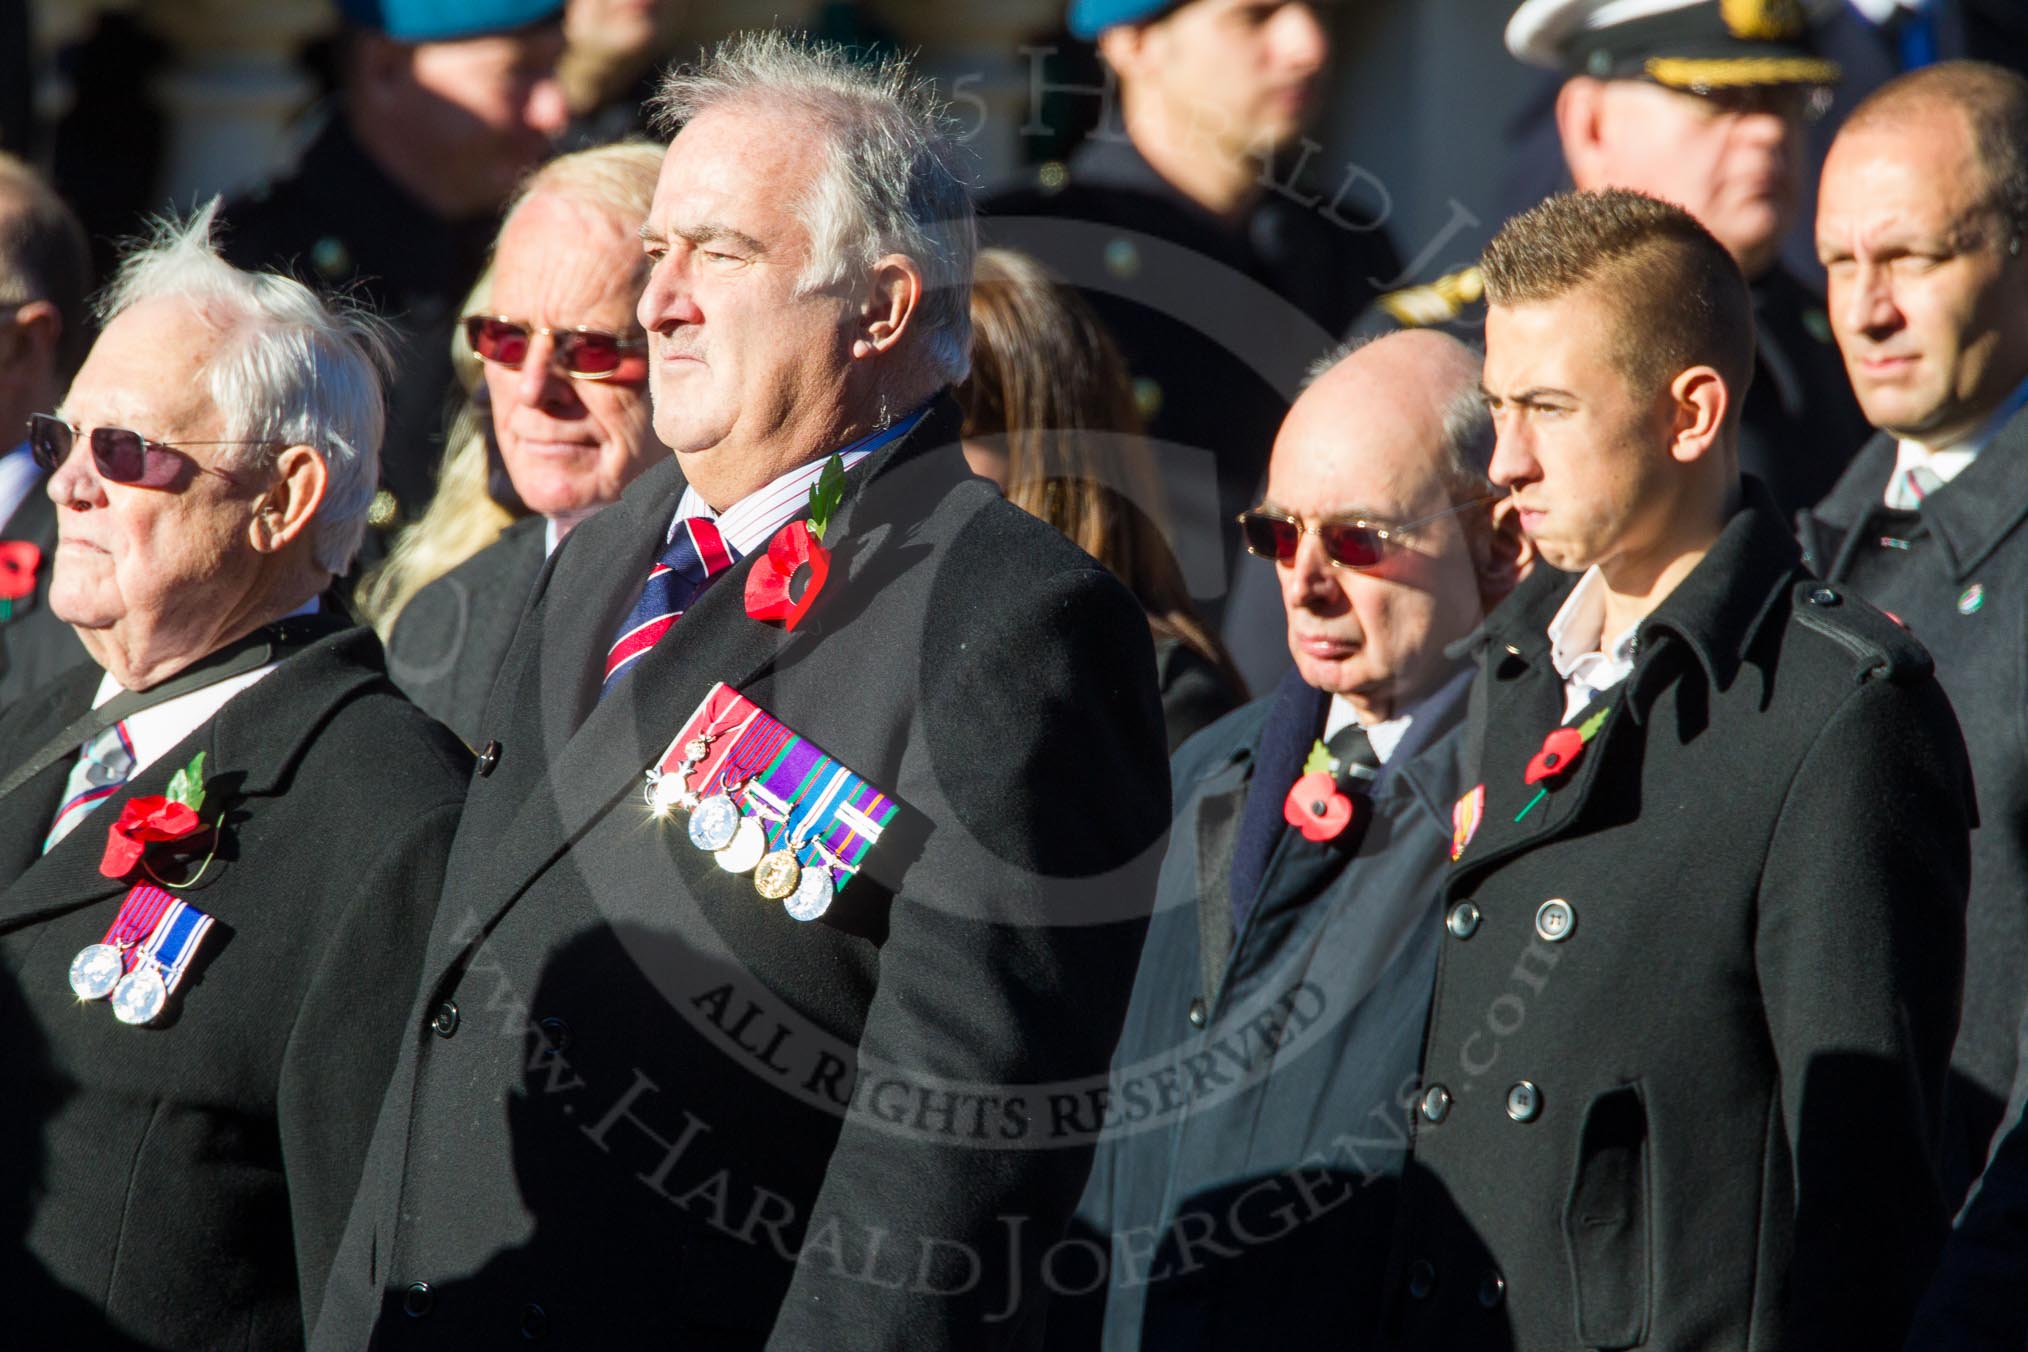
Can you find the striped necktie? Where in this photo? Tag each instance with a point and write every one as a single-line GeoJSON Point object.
{"type": "Point", "coordinates": [697, 554]}
{"type": "Point", "coordinates": [1909, 488]}
{"type": "Point", "coordinates": [103, 765]}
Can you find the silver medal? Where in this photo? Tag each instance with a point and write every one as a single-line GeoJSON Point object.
{"type": "Point", "coordinates": [745, 849]}
{"type": "Point", "coordinates": [95, 971]}
{"type": "Point", "coordinates": [714, 823]}
{"type": "Point", "coordinates": [140, 995]}
{"type": "Point", "coordinates": [812, 896]}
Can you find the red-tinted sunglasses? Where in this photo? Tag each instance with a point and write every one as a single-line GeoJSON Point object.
{"type": "Point", "coordinates": [120, 456]}
{"type": "Point", "coordinates": [584, 354]}
{"type": "Point", "coordinates": [1357, 543]}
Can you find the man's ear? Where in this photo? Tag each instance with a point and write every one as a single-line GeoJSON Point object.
{"type": "Point", "coordinates": [284, 511]}
{"type": "Point", "coordinates": [1701, 401]}
{"type": "Point", "coordinates": [890, 306]}
{"type": "Point", "coordinates": [1579, 107]}
{"type": "Point", "coordinates": [28, 342]}
{"type": "Point", "coordinates": [1124, 47]}
{"type": "Point", "coordinates": [1502, 553]}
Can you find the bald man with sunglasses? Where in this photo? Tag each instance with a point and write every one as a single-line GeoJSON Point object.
{"type": "Point", "coordinates": [1281, 993]}
{"type": "Point", "coordinates": [566, 395]}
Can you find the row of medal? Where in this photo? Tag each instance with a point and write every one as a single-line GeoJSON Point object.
{"type": "Point", "coordinates": [738, 841]}
{"type": "Point", "coordinates": [143, 956]}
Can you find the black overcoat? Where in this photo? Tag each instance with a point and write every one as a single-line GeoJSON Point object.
{"type": "Point", "coordinates": [618, 1102]}
{"type": "Point", "coordinates": [184, 1185]}
{"type": "Point", "coordinates": [1956, 573]}
{"type": "Point", "coordinates": [1694, 1011]}
{"type": "Point", "coordinates": [450, 639]}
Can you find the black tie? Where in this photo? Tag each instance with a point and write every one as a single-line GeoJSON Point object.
{"type": "Point", "coordinates": [1357, 764]}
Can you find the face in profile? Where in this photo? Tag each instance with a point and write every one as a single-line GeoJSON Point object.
{"type": "Point", "coordinates": [741, 361]}
{"type": "Point", "coordinates": [151, 562]}
{"type": "Point", "coordinates": [1582, 449]}
{"type": "Point", "coordinates": [1733, 161]}
{"type": "Point", "coordinates": [570, 445]}
{"type": "Point", "coordinates": [1927, 297]}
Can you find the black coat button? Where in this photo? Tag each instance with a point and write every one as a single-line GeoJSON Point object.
{"type": "Point", "coordinates": [1524, 1101]}
{"type": "Point", "coordinates": [1492, 1290]}
{"type": "Point", "coordinates": [1824, 596]}
{"type": "Point", "coordinates": [1436, 1103]}
{"type": "Point", "coordinates": [445, 1022]}
{"type": "Point", "coordinates": [1198, 1015]}
{"type": "Point", "coordinates": [534, 1323]}
{"type": "Point", "coordinates": [1463, 921]}
{"type": "Point", "coordinates": [555, 1032]}
{"type": "Point", "coordinates": [418, 1300]}
{"type": "Point", "coordinates": [1421, 1278]}
{"type": "Point", "coordinates": [489, 756]}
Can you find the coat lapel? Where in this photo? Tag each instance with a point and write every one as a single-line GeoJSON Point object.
{"type": "Point", "coordinates": [250, 746]}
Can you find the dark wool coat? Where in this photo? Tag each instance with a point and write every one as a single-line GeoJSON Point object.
{"type": "Point", "coordinates": [1694, 1010]}
{"type": "Point", "coordinates": [184, 1184]}
{"type": "Point", "coordinates": [618, 1109]}
{"type": "Point", "coordinates": [450, 639]}
{"type": "Point", "coordinates": [1257, 1123]}
{"type": "Point", "coordinates": [35, 646]}
{"type": "Point", "coordinates": [1956, 573]}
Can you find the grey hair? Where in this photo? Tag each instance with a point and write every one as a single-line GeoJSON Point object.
{"type": "Point", "coordinates": [890, 182]}
{"type": "Point", "coordinates": [291, 370]}
{"type": "Point", "coordinates": [617, 178]}
{"type": "Point", "coordinates": [1466, 450]}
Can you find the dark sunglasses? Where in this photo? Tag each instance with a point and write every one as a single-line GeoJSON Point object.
{"type": "Point", "coordinates": [584, 354]}
{"type": "Point", "coordinates": [1348, 544]}
{"type": "Point", "coordinates": [118, 455]}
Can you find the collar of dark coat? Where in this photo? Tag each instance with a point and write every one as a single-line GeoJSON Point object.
{"type": "Point", "coordinates": [1274, 758]}
{"type": "Point", "coordinates": [251, 748]}
{"type": "Point", "coordinates": [1714, 613]}
{"type": "Point", "coordinates": [1970, 516]}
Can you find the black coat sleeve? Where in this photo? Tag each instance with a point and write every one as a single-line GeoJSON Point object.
{"type": "Point", "coordinates": [1860, 956]}
{"type": "Point", "coordinates": [347, 1031]}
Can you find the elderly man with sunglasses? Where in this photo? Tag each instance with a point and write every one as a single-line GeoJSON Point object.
{"type": "Point", "coordinates": [566, 390]}
{"type": "Point", "coordinates": [220, 841]}
{"type": "Point", "coordinates": [1280, 998]}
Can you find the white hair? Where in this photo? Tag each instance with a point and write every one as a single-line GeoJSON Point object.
{"type": "Point", "coordinates": [291, 370]}
{"type": "Point", "coordinates": [889, 184]}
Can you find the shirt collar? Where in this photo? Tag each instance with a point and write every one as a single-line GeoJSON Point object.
{"type": "Point", "coordinates": [750, 522]}
{"type": "Point", "coordinates": [1400, 735]}
{"type": "Point", "coordinates": [1577, 630]}
{"type": "Point", "coordinates": [1950, 459]}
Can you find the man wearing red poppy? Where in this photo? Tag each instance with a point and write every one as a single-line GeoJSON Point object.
{"type": "Point", "coordinates": [1310, 834]}
{"type": "Point", "coordinates": [1704, 935]}
{"type": "Point", "coordinates": [769, 1099]}
{"type": "Point", "coordinates": [45, 277]}
{"type": "Point", "coordinates": [219, 839]}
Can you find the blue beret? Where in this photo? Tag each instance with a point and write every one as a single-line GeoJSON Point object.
{"type": "Point", "coordinates": [446, 20]}
{"type": "Point", "coordinates": [1089, 18]}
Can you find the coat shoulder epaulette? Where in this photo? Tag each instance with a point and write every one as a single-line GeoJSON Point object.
{"type": "Point", "coordinates": [1876, 643]}
{"type": "Point", "coordinates": [1437, 302]}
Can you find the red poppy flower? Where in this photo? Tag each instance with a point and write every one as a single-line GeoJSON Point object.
{"type": "Point", "coordinates": [785, 581]}
{"type": "Point", "coordinates": [143, 821]}
{"type": "Point", "coordinates": [18, 561]}
{"type": "Point", "coordinates": [1316, 808]}
{"type": "Point", "coordinates": [1560, 750]}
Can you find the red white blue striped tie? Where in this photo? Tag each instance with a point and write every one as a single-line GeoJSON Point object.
{"type": "Point", "coordinates": [697, 554]}
{"type": "Point", "coordinates": [104, 764]}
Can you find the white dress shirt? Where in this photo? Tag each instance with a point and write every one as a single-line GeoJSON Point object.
{"type": "Point", "coordinates": [1588, 665]}
{"type": "Point", "coordinates": [1948, 461]}
{"type": "Point", "coordinates": [1389, 737]}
